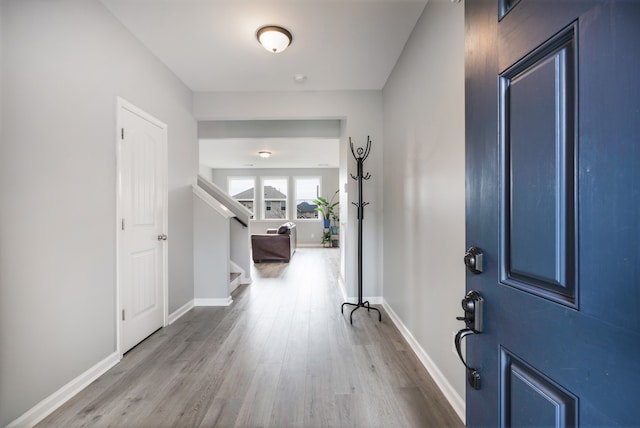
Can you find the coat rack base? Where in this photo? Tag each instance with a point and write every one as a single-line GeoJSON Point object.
{"type": "Point", "coordinates": [360, 305]}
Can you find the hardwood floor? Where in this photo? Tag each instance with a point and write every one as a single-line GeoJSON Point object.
{"type": "Point", "coordinates": [281, 355]}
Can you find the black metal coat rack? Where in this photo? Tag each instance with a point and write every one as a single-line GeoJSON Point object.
{"type": "Point", "coordinates": [360, 154]}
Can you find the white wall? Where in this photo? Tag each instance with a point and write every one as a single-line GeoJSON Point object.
{"type": "Point", "coordinates": [240, 248]}
{"type": "Point", "coordinates": [309, 232]}
{"type": "Point", "coordinates": [211, 240]}
{"type": "Point", "coordinates": [63, 64]}
{"type": "Point", "coordinates": [361, 112]}
{"type": "Point", "coordinates": [424, 277]}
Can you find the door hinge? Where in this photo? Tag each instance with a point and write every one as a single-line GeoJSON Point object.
{"type": "Point", "coordinates": [122, 133]}
{"type": "Point", "coordinates": [122, 224]}
{"type": "Point", "coordinates": [123, 315]}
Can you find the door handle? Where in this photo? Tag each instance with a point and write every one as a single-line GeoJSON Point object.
{"type": "Point", "coordinates": [473, 377]}
{"type": "Point", "coordinates": [162, 237]}
{"type": "Point", "coordinates": [472, 305]}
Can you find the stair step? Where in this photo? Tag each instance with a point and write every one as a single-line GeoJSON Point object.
{"type": "Point", "coordinates": [233, 276]}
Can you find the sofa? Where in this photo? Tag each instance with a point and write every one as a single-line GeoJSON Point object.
{"type": "Point", "coordinates": [277, 245]}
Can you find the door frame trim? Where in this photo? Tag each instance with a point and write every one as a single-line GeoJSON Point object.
{"type": "Point", "coordinates": [123, 104]}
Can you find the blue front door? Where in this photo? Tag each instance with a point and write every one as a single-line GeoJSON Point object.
{"type": "Point", "coordinates": [553, 203]}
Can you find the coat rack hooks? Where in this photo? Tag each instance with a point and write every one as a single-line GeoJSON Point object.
{"type": "Point", "coordinates": [360, 154]}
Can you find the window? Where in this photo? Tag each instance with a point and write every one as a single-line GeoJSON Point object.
{"type": "Point", "coordinates": [242, 189]}
{"type": "Point", "coordinates": [307, 189]}
{"type": "Point", "coordinates": [274, 190]}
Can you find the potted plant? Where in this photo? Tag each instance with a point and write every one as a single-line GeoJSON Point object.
{"type": "Point", "coordinates": [335, 229]}
{"type": "Point", "coordinates": [326, 207]}
{"type": "Point", "coordinates": [326, 239]}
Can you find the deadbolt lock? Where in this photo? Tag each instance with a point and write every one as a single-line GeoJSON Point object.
{"type": "Point", "coordinates": [473, 259]}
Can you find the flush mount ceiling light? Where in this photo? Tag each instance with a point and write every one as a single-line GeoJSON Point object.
{"type": "Point", "coordinates": [264, 154]}
{"type": "Point", "coordinates": [274, 39]}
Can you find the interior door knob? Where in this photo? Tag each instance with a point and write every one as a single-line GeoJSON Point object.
{"type": "Point", "coordinates": [162, 237]}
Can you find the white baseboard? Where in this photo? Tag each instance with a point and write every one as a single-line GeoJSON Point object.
{"type": "Point", "coordinates": [447, 389]}
{"type": "Point", "coordinates": [47, 406]}
{"type": "Point", "coordinates": [374, 300]}
{"type": "Point", "coordinates": [213, 302]}
{"type": "Point", "coordinates": [173, 316]}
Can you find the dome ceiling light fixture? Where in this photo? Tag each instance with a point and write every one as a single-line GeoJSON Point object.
{"type": "Point", "coordinates": [264, 154]}
{"type": "Point", "coordinates": [274, 38]}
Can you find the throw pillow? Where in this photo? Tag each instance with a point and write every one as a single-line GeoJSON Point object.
{"type": "Point", "coordinates": [283, 229]}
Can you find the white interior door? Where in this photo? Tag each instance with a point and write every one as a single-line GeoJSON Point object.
{"type": "Point", "coordinates": [142, 142]}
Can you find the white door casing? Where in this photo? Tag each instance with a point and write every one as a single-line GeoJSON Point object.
{"type": "Point", "coordinates": [141, 225]}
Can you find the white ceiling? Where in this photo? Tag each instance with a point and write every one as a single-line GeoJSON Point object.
{"type": "Point", "coordinates": [211, 46]}
{"type": "Point", "coordinates": [286, 152]}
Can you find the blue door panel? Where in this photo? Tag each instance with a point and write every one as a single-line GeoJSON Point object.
{"type": "Point", "coordinates": [530, 399]}
{"type": "Point", "coordinates": [537, 126]}
{"type": "Point", "coordinates": [534, 180]}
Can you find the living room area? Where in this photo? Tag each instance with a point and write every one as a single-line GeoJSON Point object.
{"type": "Point", "coordinates": [276, 169]}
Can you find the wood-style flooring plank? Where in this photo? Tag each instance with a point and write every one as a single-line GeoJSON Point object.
{"type": "Point", "coordinates": [282, 355]}
{"type": "Point", "coordinates": [258, 403]}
